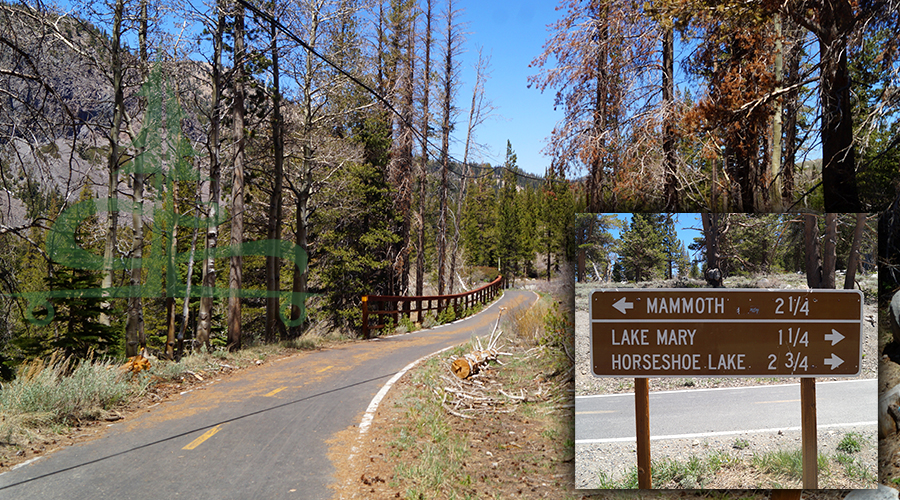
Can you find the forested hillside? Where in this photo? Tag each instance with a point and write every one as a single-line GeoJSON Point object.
{"type": "Point", "coordinates": [206, 174]}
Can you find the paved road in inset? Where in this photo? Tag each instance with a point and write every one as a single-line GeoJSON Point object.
{"type": "Point", "coordinates": [708, 412]}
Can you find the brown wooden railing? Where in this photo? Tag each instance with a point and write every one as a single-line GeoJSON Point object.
{"type": "Point", "coordinates": [381, 306]}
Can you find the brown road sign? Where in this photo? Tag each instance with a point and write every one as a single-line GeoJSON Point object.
{"type": "Point", "coordinates": [726, 332]}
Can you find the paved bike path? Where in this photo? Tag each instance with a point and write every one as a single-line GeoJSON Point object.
{"type": "Point", "coordinates": [259, 434]}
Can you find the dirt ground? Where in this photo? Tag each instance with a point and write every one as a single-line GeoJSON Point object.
{"type": "Point", "coordinates": [519, 454]}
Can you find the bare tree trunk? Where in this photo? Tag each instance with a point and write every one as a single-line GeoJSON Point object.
{"type": "Point", "coordinates": [813, 261]}
{"type": "Point", "coordinates": [274, 325]}
{"type": "Point", "coordinates": [442, 222]}
{"type": "Point", "coordinates": [423, 170]}
{"type": "Point", "coordinates": [170, 276]}
{"type": "Point", "coordinates": [301, 239]}
{"type": "Point", "coordinates": [832, 26]}
{"type": "Point", "coordinates": [204, 316]}
{"type": "Point", "coordinates": [237, 190]}
{"type": "Point", "coordinates": [776, 189]}
{"type": "Point", "coordinates": [714, 274]}
{"type": "Point", "coordinates": [134, 329]}
{"type": "Point", "coordinates": [477, 114]}
{"type": "Point", "coordinates": [379, 29]}
{"type": "Point", "coordinates": [476, 117]}
{"type": "Point", "coordinates": [303, 188]}
{"type": "Point", "coordinates": [186, 309]}
{"type": "Point", "coordinates": [402, 165]}
{"type": "Point", "coordinates": [791, 110]}
{"type": "Point", "coordinates": [447, 103]}
{"type": "Point", "coordinates": [131, 344]}
{"type": "Point", "coordinates": [595, 177]}
{"type": "Point", "coordinates": [829, 258]}
{"type": "Point", "coordinates": [853, 261]}
{"type": "Point", "coordinates": [668, 90]}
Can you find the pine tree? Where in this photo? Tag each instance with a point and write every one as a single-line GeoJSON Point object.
{"type": "Point", "coordinates": [479, 225]}
{"type": "Point", "coordinates": [671, 245]}
{"type": "Point", "coordinates": [641, 250]}
{"type": "Point", "coordinates": [684, 262]}
{"type": "Point", "coordinates": [353, 252]}
{"type": "Point", "coordinates": [528, 210]}
{"type": "Point", "coordinates": [508, 233]}
{"type": "Point", "coordinates": [76, 329]}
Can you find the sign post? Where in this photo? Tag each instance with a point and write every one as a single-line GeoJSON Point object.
{"type": "Point", "coordinates": [722, 332]}
{"type": "Point", "coordinates": [642, 420]}
{"type": "Point", "coordinates": [808, 437]}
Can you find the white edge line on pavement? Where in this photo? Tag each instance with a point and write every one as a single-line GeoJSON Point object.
{"type": "Point", "coordinates": [373, 406]}
{"type": "Point", "coordinates": [595, 396]}
{"type": "Point", "coordinates": [714, 434]}
{"type": "Point", "coordinates": [23, 464]}
{"type": "Point", "coordinates": [369, 415]}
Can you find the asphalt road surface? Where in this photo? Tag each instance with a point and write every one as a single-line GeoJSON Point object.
{"type": "Point", "coordinates": [711, 412]}
{"type": "Point", "coordinates": [259, 434]}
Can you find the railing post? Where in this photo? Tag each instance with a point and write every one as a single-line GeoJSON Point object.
{"type": "Point", "coordinates": [394, 307]}
{"type": "Point", "coordinates": [365, 316]}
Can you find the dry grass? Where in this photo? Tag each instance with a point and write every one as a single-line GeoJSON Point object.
{"type": "Point", "coordinates": [48, 395]}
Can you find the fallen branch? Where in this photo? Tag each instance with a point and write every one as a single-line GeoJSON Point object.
{"type": "Point", "coordinates": [458, 414]}
{"type": "Point", "coordinates": [510, 396]}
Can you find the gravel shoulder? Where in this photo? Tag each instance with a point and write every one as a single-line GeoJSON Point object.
{"type": "Point", "coordinates": [616, 459]}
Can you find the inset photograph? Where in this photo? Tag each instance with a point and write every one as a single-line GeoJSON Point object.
{"type": "Point", "coordinates": [727, 351]}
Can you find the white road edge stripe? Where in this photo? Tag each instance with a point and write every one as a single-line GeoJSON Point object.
{"type": "Point", "coordinates": [714, 434]}
{"type": "Point", "coordinates": [366, 421]}
{"type": "Point", "coordinates": [652, 393]}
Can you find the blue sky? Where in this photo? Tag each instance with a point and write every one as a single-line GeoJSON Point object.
{"type": "Point", "coordinates": [513, 34]}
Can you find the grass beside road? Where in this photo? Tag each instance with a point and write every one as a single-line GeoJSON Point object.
{"type": "Point", "coordinates": [773, 469]}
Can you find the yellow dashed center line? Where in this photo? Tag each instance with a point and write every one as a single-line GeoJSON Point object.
{"type": "Point", "coordinates": [326, 368]}
{"type": "Point", "coordinates": [206, 435]}
{"type": "Point", "coordinates": [276, 391]}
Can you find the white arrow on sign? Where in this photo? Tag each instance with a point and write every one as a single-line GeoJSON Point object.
{"type": "Point", "coordinates": [834, 336]}
{"type": "Point", "coordinates": [834, 361]}
{"type": "Point", "coordinates": [622, 306]}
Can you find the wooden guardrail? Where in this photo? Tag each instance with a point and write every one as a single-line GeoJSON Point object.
{"type": "Point", "coordinates": [381, 306]}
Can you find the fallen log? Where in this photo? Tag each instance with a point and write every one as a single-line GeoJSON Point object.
{"type": "Point", "coordinates": [139, 363]}
{"type": "Point", "coordinates": [471, 363]}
